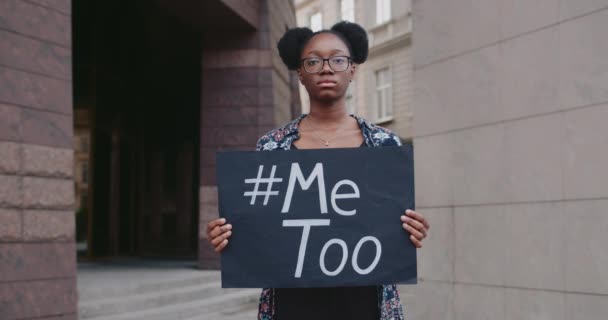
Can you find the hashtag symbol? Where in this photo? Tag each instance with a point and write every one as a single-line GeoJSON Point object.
{"type": "Point", "coordinates": [269, 181]}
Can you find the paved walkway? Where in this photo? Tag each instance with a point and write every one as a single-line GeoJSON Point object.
{"type": "Point", "coordinates": [133, 289]}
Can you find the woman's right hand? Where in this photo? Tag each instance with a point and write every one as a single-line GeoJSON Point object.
{"type": "Point", "coordinates": [218, 233]}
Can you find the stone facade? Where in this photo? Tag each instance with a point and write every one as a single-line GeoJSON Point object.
{"type": "Point", "coordinates": [246, 92]}
{"type": "Point", "coordinates": [37, 252]}
{"type": "Point", "coordinates": [510, 139]}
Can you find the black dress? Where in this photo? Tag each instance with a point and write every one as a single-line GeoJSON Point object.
{"type": "Point", "coordinates": [352, 303]}
{"type": "Point", "coordinates": [349, 303]}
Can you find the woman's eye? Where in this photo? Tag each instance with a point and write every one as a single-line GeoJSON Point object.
{"type": "Point", "coordinates": [339, 60]}
{"type": "Point", "coordinates": [312, 62]}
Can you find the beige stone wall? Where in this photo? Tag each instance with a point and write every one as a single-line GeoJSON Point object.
{"type": "Point", "coordinates": [510, 103]}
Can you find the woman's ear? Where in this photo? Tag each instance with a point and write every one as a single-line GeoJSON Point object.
{"type": "Point", "coordinates": [352, 71]}
{"type": "Point", "coordinates": [299, 71]}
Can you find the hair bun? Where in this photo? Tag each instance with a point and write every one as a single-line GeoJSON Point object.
{"type": "Point", "coordinates": [357, 38]}
{"type": "Point", "coordinates": [290, 46]}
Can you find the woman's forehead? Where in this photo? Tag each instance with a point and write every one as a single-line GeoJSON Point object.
{"type": "Point", "coordinates": [325, 43]}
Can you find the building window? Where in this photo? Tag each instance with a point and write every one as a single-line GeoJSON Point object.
{"type": "Point", "coordinates": [383, 11]}
{"type": "Point", "coordinates": [84, 199]}
{"type": "Point", "coordinates": [84, 171]}
{"type": "Point", "coordinates": [347, 10]}
{"type": "Point", "coordinates": [350, 98]}
{"type": "Point", "coordinates": [316, 22]}
{"type": "Point", "coordinates": [84, 143]}
{"type": "Point", "coordinates": [383, 95]}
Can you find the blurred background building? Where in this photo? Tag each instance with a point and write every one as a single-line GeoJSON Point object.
{"type": "Point", "coordinates": [382, 89]}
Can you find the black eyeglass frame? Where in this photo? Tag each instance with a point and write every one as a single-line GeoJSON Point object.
{"type": "Point", "coordinates": [348, 63]}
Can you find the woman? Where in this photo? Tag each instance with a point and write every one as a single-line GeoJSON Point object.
{"type": "Point", "coordinates": [326, 61]}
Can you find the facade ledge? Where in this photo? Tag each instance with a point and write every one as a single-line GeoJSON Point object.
{"type": "Point", "coordinates": [385, 46]}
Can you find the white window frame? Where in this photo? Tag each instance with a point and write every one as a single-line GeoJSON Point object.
{"type": "Point", "coordinates": [350, 98]}
{"type": "Point", "coordinates": [383, 11]}
{"type": "Point", "coordinates": [383, 112]}
{"type": "Point", "coordinates": [313, 24]}
{"type": "Point", "coordinates": [347, 10]}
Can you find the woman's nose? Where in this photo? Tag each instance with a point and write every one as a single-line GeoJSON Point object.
{"type": "Point", "coordinates": [326, 67]}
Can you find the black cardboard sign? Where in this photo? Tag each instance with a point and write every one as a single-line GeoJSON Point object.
{"type": "Point", "coordinates": [317, 218]}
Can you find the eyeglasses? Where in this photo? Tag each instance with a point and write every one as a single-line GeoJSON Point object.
{"type": "Point", "coordinates": [315, 65]}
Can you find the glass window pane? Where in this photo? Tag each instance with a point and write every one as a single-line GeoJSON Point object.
{"type": "Point", "coordinates": [347, 8]}
{"type": "Point", "coordinates": [316, 22]}
{"type": "Point", "coordinates": [383, 11]}
{"type": "Point", "coordinates": [379, 106]}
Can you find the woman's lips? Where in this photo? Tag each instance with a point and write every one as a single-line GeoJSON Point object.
{"type": "Point", "coordinates": [326, 84]}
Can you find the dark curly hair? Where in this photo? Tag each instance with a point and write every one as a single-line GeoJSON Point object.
{"type": "Point", "coordinates": [293, 41]}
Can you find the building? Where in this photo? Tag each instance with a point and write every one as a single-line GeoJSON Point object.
{"type": "Point", "coordinates": [145, 92]}
{"type": "Point", "coordinates": [381, 91]}
{"type": "Point", "coordinates": [511, 145]}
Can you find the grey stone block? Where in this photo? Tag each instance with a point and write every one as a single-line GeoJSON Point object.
{"type": "Point", "coordinates": [520, 16]}
{"type": "Point", "coordinates": [10, 228]}
{"type": "Point", "coordinates": [428, 300]}
{"type": "Point", "coordinates": [585, 153]}
{"type": "Point", "coordinates": [534, 304]}
{"type": "Point", "coordinates": [433, 161]}
{"type": "Point", "coordinates": [10, 157]}
{"type": "Point", "coordinates": [535, 245]}
{"type": "Point", "coordinates": [583, 64]}
{"type": "Point", "coordinates": [529, 74]}
{"type": "Point", "coordinates": [48, 225]}
{"type": "Point", "coordinates": [570, 9]}
{"type": "Point", "coordinates": [436, 257]}
{"type": "Point", "coordinates": [479, 244]}
{"type": "Point", "coordinates": [48, 161]}
{"type": "Point", "coordinates": [586, 307]}
{"type": "Point", "coordinates": [472, 302]}
{"type": "Point", "coordinates": [586, 259]}
{"type": "Point", "coordinates": [10, 191]}
{"type": "Point", "coordinates": [480, 168]}
{"type": "Point", "coordinates": [533, 154]}
{"type": "Point", "coordinates": [446, 28]}
{"type": "Point", "coordinates": [48, 193]}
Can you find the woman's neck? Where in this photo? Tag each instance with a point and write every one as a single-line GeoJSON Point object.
{"type": "Point", "coordinates": [327, 114]}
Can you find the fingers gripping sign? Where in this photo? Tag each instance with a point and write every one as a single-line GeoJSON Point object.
{"type": "Point", "coordinates": [218, 233]}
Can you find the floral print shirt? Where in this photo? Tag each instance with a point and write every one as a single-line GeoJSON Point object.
{"type": "Point", "coordinates": [373, 136]}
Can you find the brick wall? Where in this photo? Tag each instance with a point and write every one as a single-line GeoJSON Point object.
{"type": "Point", "coordinates": [37, 250]}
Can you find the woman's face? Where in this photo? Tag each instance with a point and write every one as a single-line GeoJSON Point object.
{"type": "Point", "coordinates": [326, 85]}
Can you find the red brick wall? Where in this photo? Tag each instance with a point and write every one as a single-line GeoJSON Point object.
{"type": "Point", "coordinates": [37, 250]}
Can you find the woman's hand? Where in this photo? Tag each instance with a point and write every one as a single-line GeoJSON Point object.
{"type": "Point", "coordinates": [218, 233]}
{"type": "Point", "coordinates": [416, 225]}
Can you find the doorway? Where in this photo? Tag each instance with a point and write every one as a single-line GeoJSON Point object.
{"type": "Point", "coordinates": [137, 110]}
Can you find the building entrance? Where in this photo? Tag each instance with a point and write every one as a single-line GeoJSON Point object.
{"type": "Point", "coordinates": [137, 100]}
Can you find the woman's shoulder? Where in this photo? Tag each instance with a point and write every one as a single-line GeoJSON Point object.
{"type": "Point", "coordinates": [278, 138]}
{"type": "Point", "coordinates": [379, 136]}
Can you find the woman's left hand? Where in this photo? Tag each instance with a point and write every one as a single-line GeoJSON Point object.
{"type": "Point", "coordinates": [416, 225]}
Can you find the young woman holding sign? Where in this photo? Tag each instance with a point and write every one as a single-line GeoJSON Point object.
{"type": "Point", "coordinates": [326, 62]}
